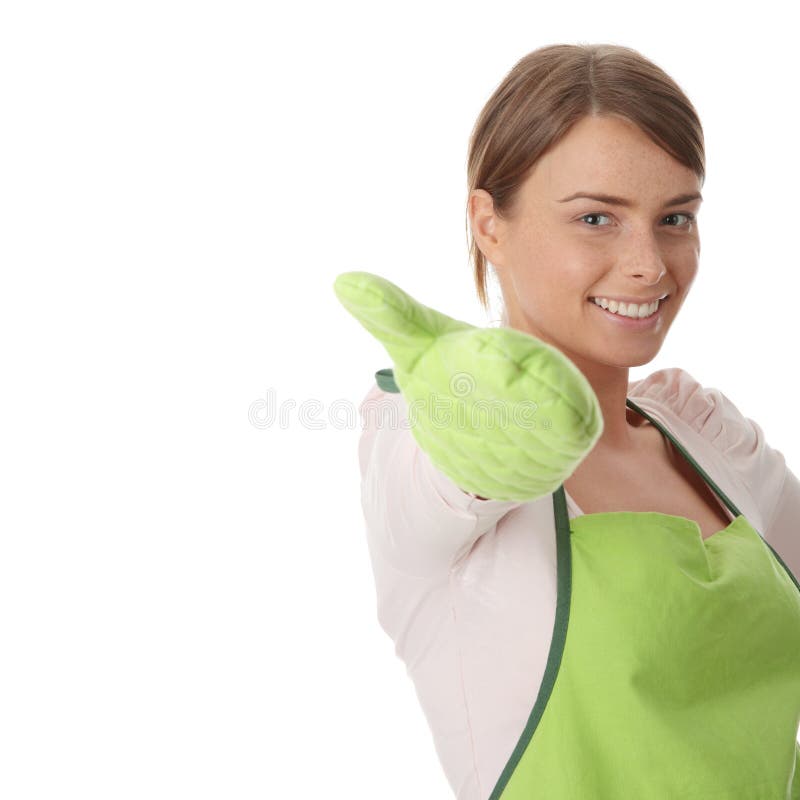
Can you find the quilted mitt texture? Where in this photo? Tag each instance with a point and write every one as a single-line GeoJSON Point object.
{"type": "Point", "coordinates": [503, 414]}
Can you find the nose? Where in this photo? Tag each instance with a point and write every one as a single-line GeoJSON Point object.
{"type": "Point", "coordinates": [650, 273]}
{"type": "Point", "coordinates": [642, 259]}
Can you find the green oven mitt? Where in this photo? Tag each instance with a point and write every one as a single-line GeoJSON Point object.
{"type": "Point", "coordinates": [503, 414]}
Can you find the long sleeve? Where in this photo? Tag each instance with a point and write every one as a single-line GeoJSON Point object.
{"type": "Point", "coordinates": [418, 520]}
{"type": "Point", "coordinates": [783, 531]}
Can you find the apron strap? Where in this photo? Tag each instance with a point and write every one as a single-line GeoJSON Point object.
{"type": "Point", "coordinates": [385, 380]}
{"type": "Point", "coordinates": [685, 453]}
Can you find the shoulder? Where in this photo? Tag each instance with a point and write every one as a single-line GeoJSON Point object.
{"type": "Point", "coordinates": [705, 409]}
{"type": "Point", "coordinates": [378, 410]}
{"type": "Point", "coordinates": [713, 415]}
{"type": "Point", "coordinates": [677, 391]}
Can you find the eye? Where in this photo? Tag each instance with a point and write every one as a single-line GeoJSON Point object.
{"type": "Point", "coordinates": [594, 215]}
{"type": "Point", "coordinates": [689, 217]}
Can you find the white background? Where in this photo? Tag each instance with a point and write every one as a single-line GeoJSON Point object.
{"type": "Point", "coordinates": [187, 607]}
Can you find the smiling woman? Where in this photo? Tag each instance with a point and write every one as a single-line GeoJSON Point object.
{"type": "Point", "coordinates": [550, 259]}
{"type": "Point", "coordinates": [604, 606]}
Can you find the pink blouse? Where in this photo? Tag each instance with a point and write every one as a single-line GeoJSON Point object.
{"type": "Point", "coordinates": [466, 588]}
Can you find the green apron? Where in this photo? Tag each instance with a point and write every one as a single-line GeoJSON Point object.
{"type": "Point", "coordinates": [674, 667]}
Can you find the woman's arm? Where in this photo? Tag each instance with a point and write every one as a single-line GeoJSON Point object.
{"type": "Point", "coordinates": [418, 519]}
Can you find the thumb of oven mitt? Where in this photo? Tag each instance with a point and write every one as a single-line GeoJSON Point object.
{"type": "Point", "coordinates": [503, 414]}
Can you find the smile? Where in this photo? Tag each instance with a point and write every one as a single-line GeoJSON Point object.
{"type": "Point", "coordinates": [652, 313]}
{"type": "Point", "coordinates": [633, 310]}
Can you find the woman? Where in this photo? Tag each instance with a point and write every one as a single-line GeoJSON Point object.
{"type": "Point", "coordinates": [636, 632]}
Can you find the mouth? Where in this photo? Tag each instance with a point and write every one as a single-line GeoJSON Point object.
{"type": "Point", "coordinates": [632, 323]}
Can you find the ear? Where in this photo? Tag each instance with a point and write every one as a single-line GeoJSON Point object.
{"type": "Point", "coordinates": [486, 226]}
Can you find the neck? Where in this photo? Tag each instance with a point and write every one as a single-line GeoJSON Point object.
{"type": "Point", "coordinates": [621, 425]}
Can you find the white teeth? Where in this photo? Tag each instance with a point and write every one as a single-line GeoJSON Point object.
{"type": "Point", "coordinates": [628, 309]}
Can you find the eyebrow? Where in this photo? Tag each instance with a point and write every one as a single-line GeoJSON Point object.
{"type": "Point", "coordinates": [621, 201]}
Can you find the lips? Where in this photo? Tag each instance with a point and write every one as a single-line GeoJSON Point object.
{"type": "Point", "coordinates": [632, 323]}
{"type": "Point", "coordinates": [661, 300]}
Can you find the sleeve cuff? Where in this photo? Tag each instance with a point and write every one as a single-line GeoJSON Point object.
{"type": "Point", "coordinates": [459, 499]}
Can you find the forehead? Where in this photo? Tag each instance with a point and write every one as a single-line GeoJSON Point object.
{"type": "Point", "coordinates": [608, 155]}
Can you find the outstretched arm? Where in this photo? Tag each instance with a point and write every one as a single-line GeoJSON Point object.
{"type": "Point", "coordinates": [418, 520]}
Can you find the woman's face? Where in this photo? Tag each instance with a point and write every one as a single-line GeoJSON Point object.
{"type": "Point", "coordinates": [556, 253]}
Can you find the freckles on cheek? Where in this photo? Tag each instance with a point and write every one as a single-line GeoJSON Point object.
{"type": "Point", "coordinates": [542, 294]}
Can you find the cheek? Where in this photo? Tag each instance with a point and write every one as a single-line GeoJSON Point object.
{"type": "Point", "coordinates": [684, 271]}
{"type": "Point", "coordinates": [552, 272]}
{"type": "Point", "coordinates": [555, 294]}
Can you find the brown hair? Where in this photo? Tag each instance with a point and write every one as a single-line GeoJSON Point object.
{"type": "Point", "coordinates": [546, 93]}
